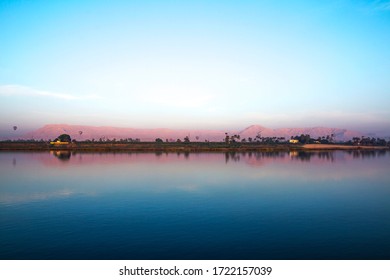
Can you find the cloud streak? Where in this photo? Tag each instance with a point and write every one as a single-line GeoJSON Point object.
{"type": "Point", "coordinates": [18, 90]}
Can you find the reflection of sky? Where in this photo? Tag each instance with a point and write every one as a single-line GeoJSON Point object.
{"type": "Point", "coordinates": [40, 176]}
{"type": "Point", "coordinates": [143, 206]}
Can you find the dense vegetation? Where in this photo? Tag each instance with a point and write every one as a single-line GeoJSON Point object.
{"type": "Point", "coordinates": [230, 143]}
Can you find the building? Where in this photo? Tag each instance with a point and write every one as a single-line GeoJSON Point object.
{"type": "Point", "coordinates": [58, 142]}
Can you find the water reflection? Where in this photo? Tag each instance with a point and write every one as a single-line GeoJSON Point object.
{"type": "Point", "coordinates": [308, 156]}
{"type": "Point", "coordinates": [271, 205]}
{"type": "Point", "coordinates": [186, 154]}
{"type": "Point", "coordinates": [329, 155]}
{"type": "Point", "coordinates": [367, 154]}
{"type": "Point", "coordinates": [232, 156]}
{"type": "Point", "coordinates": [253, 158]}
{"type": "Point", "coordinates": [62, 155]}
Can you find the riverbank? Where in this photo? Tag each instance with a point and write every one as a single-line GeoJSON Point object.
{"type": "Point", "coordinates": [178, 147]}
{"type": "Point", "coordinates": [342, 147]}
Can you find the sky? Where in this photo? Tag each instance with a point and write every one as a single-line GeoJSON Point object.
{"type": "Point", "coordinates": [195, 64]}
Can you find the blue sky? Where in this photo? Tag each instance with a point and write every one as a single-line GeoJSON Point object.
{"type": "Point", "coordinates": [195, 64]}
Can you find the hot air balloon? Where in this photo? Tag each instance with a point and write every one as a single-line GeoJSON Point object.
{"type": "Point", "coordinates": [80, 132]}
{"type": "Point", "coordinates": [15, 127]}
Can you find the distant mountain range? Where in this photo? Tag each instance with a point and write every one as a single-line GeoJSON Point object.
{"type": "Point", "coordinates": [82, 132]}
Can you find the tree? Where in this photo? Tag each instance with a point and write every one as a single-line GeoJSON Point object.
{"type": "Point", "coordinates": [227, 138]}
{"type": "Point", "coordinates": [159, 140]}
{"type": "Point", "coordinates": [64, 138]}
{"type": "Point", "coordinates": [234, 137]}
{"type": "Point", "coordinates": [356, 140]}
{"type": "Point", "coordinates": [186, 139]}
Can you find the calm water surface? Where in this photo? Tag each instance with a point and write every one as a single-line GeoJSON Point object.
{"type": "Point", "coordinates": [329, 205]}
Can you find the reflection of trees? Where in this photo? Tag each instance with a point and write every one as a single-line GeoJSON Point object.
{"type": "Point", "coordinates": [326, 155]}
{"type": "Point", "coordinates": [232, 156]}
{"type": "Point", "coordinates": [267, 155]}
{"type": "Point", "coordinates": [367, 154]}
{"type": "Point", "coordinates": [62, 155]}
{"type": "Point", "coordinates": [256, 156]}
{"type": "Point", "coordinates": [329, 155]}
{"type": "Point", "coordinates": [307, 156]}
{"type": "Point", "coordinates": [303, 156]}
{"type": "Point", "coordinates": [186, 154]}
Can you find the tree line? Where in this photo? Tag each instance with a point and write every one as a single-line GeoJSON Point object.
{"type": "Point", "coordinates": [234, 139]}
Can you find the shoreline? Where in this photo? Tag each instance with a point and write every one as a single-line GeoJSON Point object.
{"type": "Point", "coordinates": [342, 147]}
{"type": "Point", "coordinates": [181, 147]}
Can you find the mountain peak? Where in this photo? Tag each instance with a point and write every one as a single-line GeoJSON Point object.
{"type": "Point", "coordinates": [254, 128]}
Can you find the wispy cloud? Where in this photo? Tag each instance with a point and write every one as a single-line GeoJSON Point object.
{"type": "Point", "coordinates": [18, 90]}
